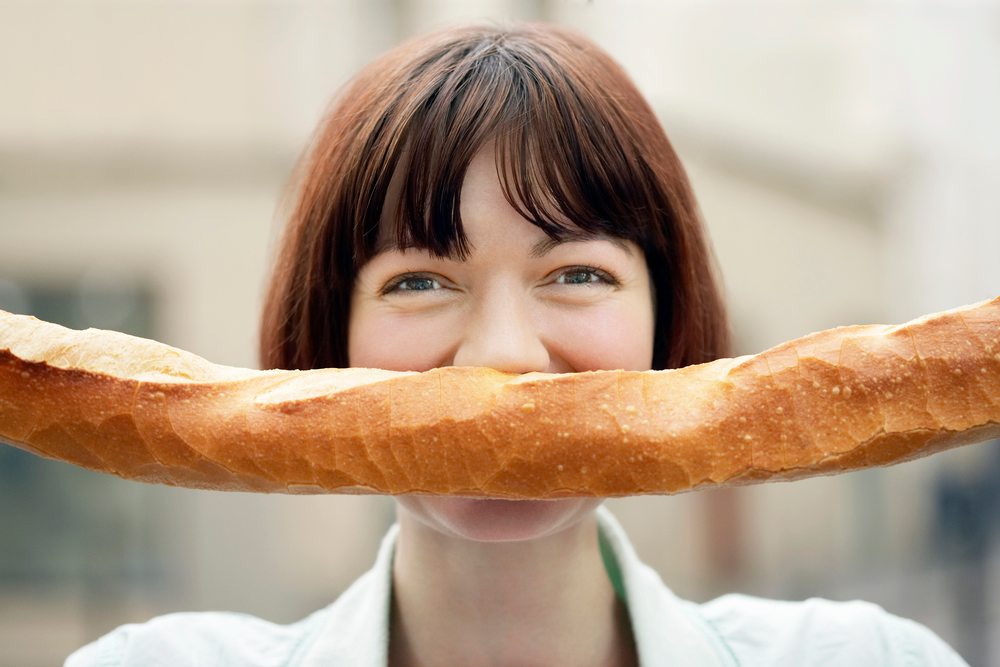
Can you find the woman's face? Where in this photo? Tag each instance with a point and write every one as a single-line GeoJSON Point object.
{"type": "Point", "coordinates": [517, 303]}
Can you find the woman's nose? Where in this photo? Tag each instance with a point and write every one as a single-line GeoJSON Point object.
{"type": "Point", "coordinates": [502, 334]}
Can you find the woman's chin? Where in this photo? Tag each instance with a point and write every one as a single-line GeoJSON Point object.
{"type": "Point", "coordinates": [494, 520]}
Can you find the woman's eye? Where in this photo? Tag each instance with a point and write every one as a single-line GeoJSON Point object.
{"type": "Point", "coordinates": [412, 283]}
{"type": "Point", "coordinates": [585, 275]}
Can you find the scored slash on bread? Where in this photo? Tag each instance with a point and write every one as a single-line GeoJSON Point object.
{"type": "Point", "coordinates": [833, 401]}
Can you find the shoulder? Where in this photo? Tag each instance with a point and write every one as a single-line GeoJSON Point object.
{"type": "Point", "coordinates": [196, 638]}
{"type": "Point", "coordinates": [818, 631]}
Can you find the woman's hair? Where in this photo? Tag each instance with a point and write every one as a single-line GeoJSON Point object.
{"type": "Point", "coordinates": [576, 146]}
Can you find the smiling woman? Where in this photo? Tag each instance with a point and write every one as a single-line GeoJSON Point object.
{"type": "Point", "coordinates": [504, 198]}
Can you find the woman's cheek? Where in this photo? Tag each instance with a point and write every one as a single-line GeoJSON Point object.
{"type": "Point", "coordinates": [610, 335]}
{"type": "Point", "coordinates": [401, 341]}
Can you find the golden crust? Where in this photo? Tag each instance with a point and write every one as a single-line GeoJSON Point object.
{"type": "Point", "coordinates": [832, 401]}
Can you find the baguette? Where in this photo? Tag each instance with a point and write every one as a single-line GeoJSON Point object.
{"type": "Point", "coordinates": [833, 401]}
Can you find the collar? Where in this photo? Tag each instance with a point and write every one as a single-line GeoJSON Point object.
{"type": "Point", "coordinates": [667, 629]}
{"type": "Point", "coordinates": [354, 630]}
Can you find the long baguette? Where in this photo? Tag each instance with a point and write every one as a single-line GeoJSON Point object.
{"type": "Point", "coordinates": [832, 401]}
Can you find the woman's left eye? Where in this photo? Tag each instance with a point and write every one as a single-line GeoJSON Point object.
{"type": "Point", "coordinates": [585, 275]}
{"type": "Point", "coordinates": [412, 283]}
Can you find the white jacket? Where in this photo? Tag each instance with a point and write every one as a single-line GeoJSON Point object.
{"type": "Point", "coordinates": [729, 631]}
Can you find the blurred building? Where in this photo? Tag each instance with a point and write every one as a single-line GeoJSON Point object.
{"type": "Point", "coordinates": [846, 160]}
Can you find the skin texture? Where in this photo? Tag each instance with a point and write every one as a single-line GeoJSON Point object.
{"type": "Point", "coordinates": [506, 582]}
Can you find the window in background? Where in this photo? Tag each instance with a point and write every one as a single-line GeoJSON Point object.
{"type": "Point", "coordinates": [64, 525]}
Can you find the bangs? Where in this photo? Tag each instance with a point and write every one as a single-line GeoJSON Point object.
{"type": "Point", "coordinates": [562, 149]}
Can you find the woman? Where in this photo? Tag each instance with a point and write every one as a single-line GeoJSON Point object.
{"type": "Point", "coordinates": [504, 198]}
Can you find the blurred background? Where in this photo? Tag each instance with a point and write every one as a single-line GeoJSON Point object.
{"type": "Point", "coordinates": [847, 160]}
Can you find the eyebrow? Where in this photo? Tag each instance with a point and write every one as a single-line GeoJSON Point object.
{"type": "Point", "coordinates": [546, 245]}
{"type": "Point", "coordinates": [539, 249]}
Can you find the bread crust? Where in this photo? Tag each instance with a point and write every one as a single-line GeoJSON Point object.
{"type": "Point", "coordinates": [833, 401]}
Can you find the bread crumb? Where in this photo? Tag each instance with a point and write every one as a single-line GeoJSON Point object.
{"type": "Point", "coordinates": [835, 391]}
{"type": "Point", "coordinates": [528, 407]}
{"type": "Point", "coordinates": [780, 410]}
{"type": "Point", "coordinates": [847, 392]}
{"type": "Point", "coordinates": [748, 437]}
{"type": "Point", "coordinates": [630, 409]}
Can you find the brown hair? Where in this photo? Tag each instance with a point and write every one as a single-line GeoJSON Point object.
{"type": "Point", "coordinates": [575, 141]}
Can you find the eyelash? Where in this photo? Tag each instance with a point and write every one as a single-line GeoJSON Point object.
{"type": "Point", "coordinates": [603, 276]}
{"type": "Point", "coordinates": [394, 284]}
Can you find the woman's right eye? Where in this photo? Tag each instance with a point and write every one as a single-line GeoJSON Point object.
{"type": "Point", "coordinates": [412, 282]}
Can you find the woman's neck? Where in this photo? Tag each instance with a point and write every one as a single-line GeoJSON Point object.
{"type": "Point", "coordinates": [546, 601]}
